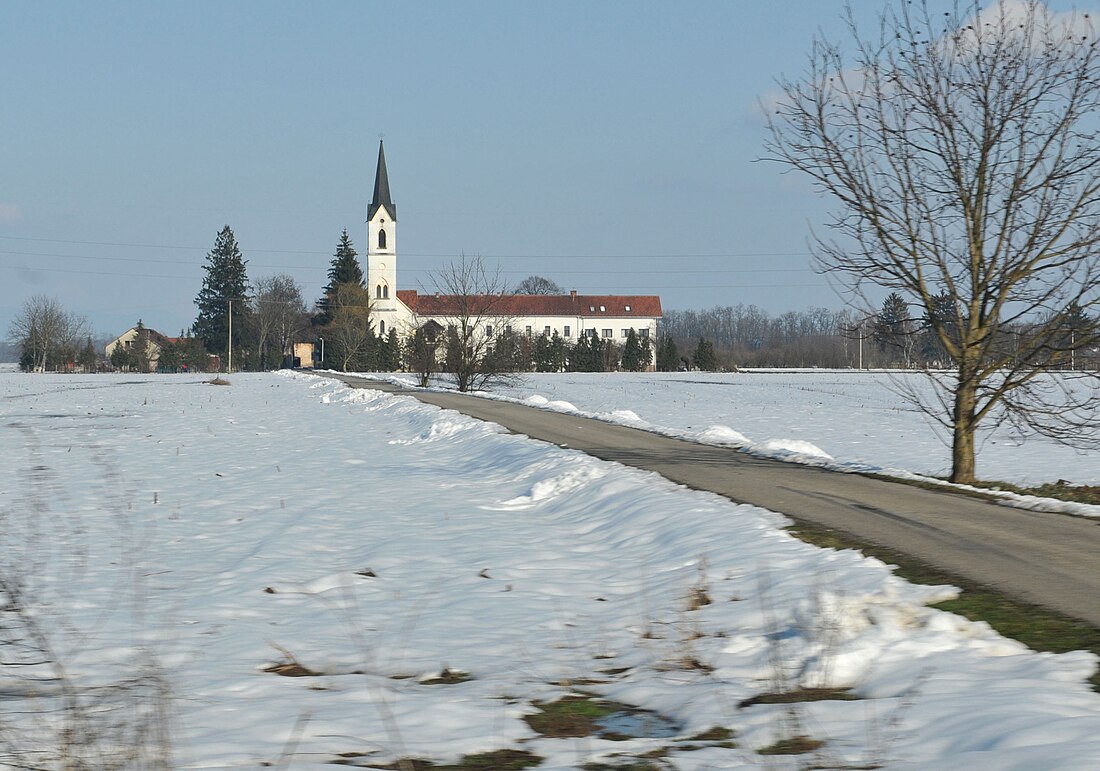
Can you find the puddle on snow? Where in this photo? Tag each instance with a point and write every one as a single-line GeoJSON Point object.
{"type": "Point", "coordinates": [635, 724]}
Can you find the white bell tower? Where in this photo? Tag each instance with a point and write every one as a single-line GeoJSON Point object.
{"type": "Point", "coordinates": [382, 242]}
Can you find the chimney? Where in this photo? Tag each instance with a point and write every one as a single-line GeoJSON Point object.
{"type": "Point", "coordinates": [573, 295]}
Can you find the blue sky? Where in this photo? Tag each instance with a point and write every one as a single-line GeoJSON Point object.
{"type": "Point", "coordinates": [607, 145]}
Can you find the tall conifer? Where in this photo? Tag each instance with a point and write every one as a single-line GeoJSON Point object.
{"type": "Point", "coordinates": [344, 269]}
{"type": "Point", "coordinates": [226, 280]}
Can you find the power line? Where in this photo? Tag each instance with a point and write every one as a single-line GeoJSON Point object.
{"type": "Point", "coordinates": [595, 287]}
{"type": "Point", "coordinates": [451, 255]}
{"type": "Point", "coordinates": [192, 263]}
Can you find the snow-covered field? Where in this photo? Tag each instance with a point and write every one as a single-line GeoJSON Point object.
{"type": "Point", "coordinates": [380, 542]}
{"type": "Point", "coordinates": [844, 418]}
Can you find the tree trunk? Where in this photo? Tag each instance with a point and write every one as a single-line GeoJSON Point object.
{"type": "Point", "coordinates": [962, 445]}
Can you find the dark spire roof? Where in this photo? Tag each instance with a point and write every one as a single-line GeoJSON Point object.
{"type": "Point", "coordinates": [381, 188]}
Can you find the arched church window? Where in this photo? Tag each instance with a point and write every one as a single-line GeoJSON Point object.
{"type": "Point", "coordinates": [381, 238]}
{"type": "Point", "coordinates": [381, 327]}
{"type": "Point", "coordinates": [385, 293]}
{"type": "Point", "coordinates": [378, 292]}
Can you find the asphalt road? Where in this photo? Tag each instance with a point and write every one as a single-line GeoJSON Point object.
{"type": "Point", "coordinates": [1046, 559]}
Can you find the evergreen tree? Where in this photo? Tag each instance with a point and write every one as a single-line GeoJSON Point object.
{"type": "Point", "coordinates": [646, 354]}
{"type": "Point", "coordinates": [557, 353]}
{"type": "Point", "coordinates": [941, 313]}
{"type": "Point", "coordinates": [541, 354]}
{"type": "Point", "coordinates": [588, 353]}
{"type": "Point", "coordinates": [391, 352]}
{"type": "Point", "coordinates": [344, 269]}
{"type": "Point", "coordinates": [704, 356]}
{"type": "Point", "coordinates": [140, 350]}
{"type": "Point", "coordinates": [88, 357]}
{"type": "Point", "coordinates": [226, 284]}
{"type": "Point", "coordinates": [122, 358]}
{"type": "Point", "coordinates": [577, 355]}
{"type": "Point", "coordinates": [632, 353]}
{"type": "Point", "coordinates": [668, 357]}
{"type": "Point", "coordinates": [171, 358]}
{"type": "Point", "coordinates": [892, 326]}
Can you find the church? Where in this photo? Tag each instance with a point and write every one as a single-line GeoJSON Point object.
{"type": "Point", "coordinates": [570, 316]}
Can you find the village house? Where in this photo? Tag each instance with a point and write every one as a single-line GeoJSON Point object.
{"type": "Point", "coordinates": [128, 339]}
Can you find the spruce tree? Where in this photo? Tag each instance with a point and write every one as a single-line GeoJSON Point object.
{"type": "Point", "coordinates": [344, 269]}
{"type": "Point", "coordinates": [632, 353]}
{"type": "Point", "coordinates": [225, 281]}
{"type": "Point", "coordinates": [391, 352]}
{"type": "Point", "coordinates": [704, 356]}
{"type": "Point", "coordinates": [579, 354]}
{"type": "Point", "coordinates": [141, 348]}
{"type": "Point", "coordinates": [88, 357]}
{"type": "Point", "coordinates": [668, 357]}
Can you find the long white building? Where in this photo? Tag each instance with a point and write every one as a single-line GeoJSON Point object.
{"type": "Point", "coordinates": [570, 316]}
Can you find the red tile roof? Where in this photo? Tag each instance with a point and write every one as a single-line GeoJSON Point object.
{"type": "Point", "coordinates": [640, 306]}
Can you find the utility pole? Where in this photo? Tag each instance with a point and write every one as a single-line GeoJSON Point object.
{"type": "Point", "coordinates": [229, 369]}
{"type": "Point", "coordinates": [322, 349]}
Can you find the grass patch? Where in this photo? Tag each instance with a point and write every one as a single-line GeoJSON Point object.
{"type": "Point", "coordinates": [715, 734]}
{"type": "Point", "coordinates": [1036, 627]}
{"type": "Point", "coordinates": [570, 717]}
{"type": "Point", "coordinates": [1060, 490]}
{"type": "Point", "coordinates": [290, 666]}
{"type": "Point", "coordinates": [448, 677]}
{"type": "Point", "coordinates": [800, 695]}
{"type": "Point", "coordinates": [796, 745]}
{"type": "Point", "coordinates": [500, 760]}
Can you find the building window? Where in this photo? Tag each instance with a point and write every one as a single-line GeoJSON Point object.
{"type": "Point", "coordinates": [608, 333]}
{"type": "Point", "coordinates": [602, 309]}
{"type": "Point", "coordinates": [628, 309]}
{"type": "Point", "coordinates": [567, 330]}
{"type": "Point", "coordinates": [507, 329]}
{"type": "Point", "coordinates": [381, 238]}
{"type": "Point", "coordinates": [626, 333]}
{"type": "Point", "coordinates": [378, 292]}
{"type": "Point", "coordinates": [488, 330]}
{"type": "Point", "coordinates": [644, 332]}
{"type": "Point", "coordinates": [385, 292]}
{"type": "Point", "coordinates": [381, 327]}
{"type": "Point", "coordinates": [592, 308]}
{"type": "Point", "coordinates": [528, 331]}
{"type": "Point", "coordinates": [546, 331]}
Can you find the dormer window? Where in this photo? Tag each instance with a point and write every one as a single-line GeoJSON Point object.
{"type": "Point", "coordinates": [602, 309]}
{"type": "Point", "coordinates": [628, 309]}
{"type": "Point", "coordinates": [591, 308]}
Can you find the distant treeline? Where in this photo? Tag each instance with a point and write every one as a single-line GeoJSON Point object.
{"type": "Point", "coordinates": [747, 336]}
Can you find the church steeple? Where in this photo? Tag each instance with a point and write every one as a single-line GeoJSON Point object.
{"type": "Point", "coordinates": [381, 188]}
{"type": "Point", "coordinates": [382, 242]}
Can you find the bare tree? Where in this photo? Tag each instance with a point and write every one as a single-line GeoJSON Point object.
{"type": "Point", "coordinates": [280, 314]}
{"type": "Point", "coordinates": [421, 352]}
{"type": "Point", "coordinates": [46, 332]}
{"type": "Point", "coordinates": [473, 305]}
{"type": "Point", "coordinates": [538, 285]}
{"type": "Point", "coordinates": [963, 153]}
{"type": "Point", "coordinates": [350, 332]}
